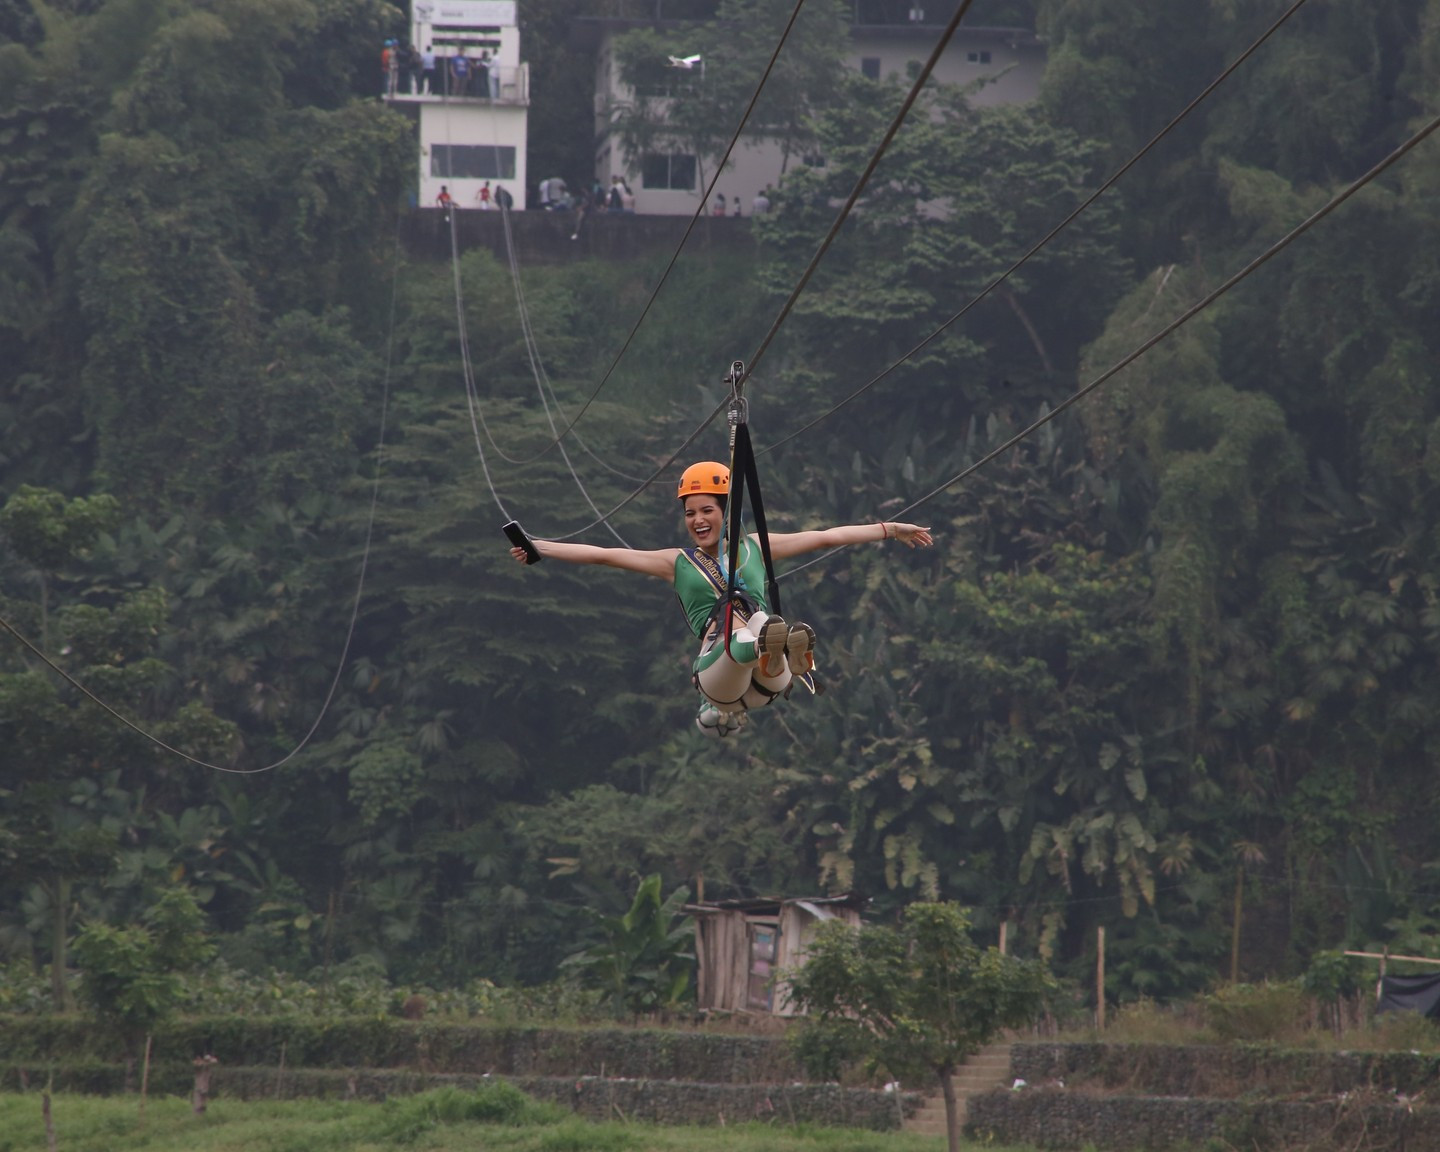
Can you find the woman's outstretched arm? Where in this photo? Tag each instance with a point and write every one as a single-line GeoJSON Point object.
{"type": "Point", "coordinates": [787, 544]}
{"type": "Point", "coordinates": [658, 562]}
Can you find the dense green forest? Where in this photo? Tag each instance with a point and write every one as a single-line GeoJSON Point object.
{"type": "Point", "coordinates": [1171, 668]}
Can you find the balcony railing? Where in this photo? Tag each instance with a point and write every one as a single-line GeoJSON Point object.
{"type": "Point", "coordinates": [492, 84]}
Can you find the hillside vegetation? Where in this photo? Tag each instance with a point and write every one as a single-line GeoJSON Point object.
{"type": "Point", "coordinates": [1171, 669]}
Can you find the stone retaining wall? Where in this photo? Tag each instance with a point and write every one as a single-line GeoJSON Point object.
{"type": "Point", "coordinates": [545, 237]}
{"type": "Point", "coordinates": [1064, 1119]}
{"type": "Point", "coordinates": [1225, 1071]}
{"type": "Point", "coordinates": [652, 1101]}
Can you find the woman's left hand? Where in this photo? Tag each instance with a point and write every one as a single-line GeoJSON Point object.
{"type": "Point", "coordinates": [912, 535]}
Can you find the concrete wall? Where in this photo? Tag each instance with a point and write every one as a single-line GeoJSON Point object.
{"type": "Point", "coordinates": [545, 237]}
{"type": "Point", "coordinates": [475, 124]}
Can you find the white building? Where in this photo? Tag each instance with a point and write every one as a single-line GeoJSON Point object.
{"type": "Point", "coordinates": [1011, 59]}
{"type": "Point", "coordinates": [473, 105]}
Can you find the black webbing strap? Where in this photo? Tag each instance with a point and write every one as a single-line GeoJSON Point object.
{"type": "Point", "coordinates": [743, 474]}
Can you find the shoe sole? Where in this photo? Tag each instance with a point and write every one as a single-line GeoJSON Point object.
{"type": "Point", "coordinates": [800, 649]}
{"type": "Point", "coordinates": [774, 634]}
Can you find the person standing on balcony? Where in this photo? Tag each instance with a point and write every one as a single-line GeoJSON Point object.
{"type": "Point", "coordinates": [392, 67]}
{"type": "Point", "coordinates": [481, 77]}
{"type": "Point", "coordinates": [387, 53]}
{"type": "Point", "coordinates": [459, 75]}
{"type": "Point", "coordinates": [493, 75]}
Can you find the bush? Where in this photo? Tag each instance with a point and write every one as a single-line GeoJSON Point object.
{"type": "Point", "coordinates": [1332, 975]}
{"type": "Point", "coordinates": [497, 1103]}
{"type": "Point", "coordinates": [577, 1136]}
{"type": "Point", "coordinates": [1146, 1022]}
{"type": "Point", "coordinates": [360, 988]}
{"type": "Point", "coordinates": [1256, 1012]}
{"type": "Point", "coordinates": [1405, 1032]}
{"type": "Point", "coordinates": [24, 990]}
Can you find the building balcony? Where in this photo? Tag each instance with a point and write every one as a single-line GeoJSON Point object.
{"type": "Point", "coordinates": [498, 84]}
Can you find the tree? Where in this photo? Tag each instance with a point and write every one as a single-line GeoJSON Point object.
{"type": "Point", "coordinates": [916, 999]}
{"type": "Point", "coordinates": [57, 743]}
{"type": "Point", "coordinates": [642, 962]}
{"type": "Point", "coordinates": [959, 196]}
{"type": "Point", "coordinates": [50, 532]}
{"type": "Point", "coordinates": [132, 976]}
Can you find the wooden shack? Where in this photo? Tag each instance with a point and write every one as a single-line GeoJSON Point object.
{"type": "Point", "coordinates": [742, 945]}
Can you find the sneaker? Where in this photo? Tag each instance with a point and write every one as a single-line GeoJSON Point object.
{"type": "Point", "coordinates": [716, 724]}
{"type": "Point", "coordinates": [770, 646]}
{"type": "Point", "coordinates": [800, 649]}
{"type": "Point", "coordinates": [708, 720]}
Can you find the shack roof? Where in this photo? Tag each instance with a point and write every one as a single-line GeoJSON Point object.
{"type": "Point", "coordinates": [771, 905]}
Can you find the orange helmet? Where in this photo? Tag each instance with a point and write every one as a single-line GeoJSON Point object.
{"type": "Point", "coordinates": [706, 477]}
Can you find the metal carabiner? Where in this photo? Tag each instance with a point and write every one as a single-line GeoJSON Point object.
{"type": "Point", "coordinates": [739, 412]}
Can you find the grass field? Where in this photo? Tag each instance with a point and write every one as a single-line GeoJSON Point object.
{"type": "Point", "coordinates": [446, 1120]}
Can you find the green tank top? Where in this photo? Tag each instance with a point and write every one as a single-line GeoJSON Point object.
{"type": "Point", "coordinates": [698, 593]}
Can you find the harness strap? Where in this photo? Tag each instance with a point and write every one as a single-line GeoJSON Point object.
{"type": "Point", "coordinates": [743, 473]}
{"type": "Point", "coordinates": [772, 585]}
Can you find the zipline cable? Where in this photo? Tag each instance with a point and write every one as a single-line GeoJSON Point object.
{"type": "Point", "coordinates": [472, 392]}
{"type": "Point", "coordinates": [1184, 318]}
{"type": "Point", "coordinates": [895, 123]}
{"type": "Point", "coordinates": [532, 350]}
{"type": "Point", "coordinates": [675, 256]}
{"type": "Point", "coordinates": [537, 366]}
{"type": "Point", "coordinates": [1049, 236]}
{"type": "Point", "coordinates": [36, 651]}
{"type": "Point", "coordinates": [472, 396]}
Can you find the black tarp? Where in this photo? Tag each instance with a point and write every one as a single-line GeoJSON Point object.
{"type": "Point", "coordinates": [1411, 994]}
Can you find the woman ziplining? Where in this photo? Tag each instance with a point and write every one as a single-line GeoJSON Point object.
{"type": "Point", "coordinates": [749, 655]}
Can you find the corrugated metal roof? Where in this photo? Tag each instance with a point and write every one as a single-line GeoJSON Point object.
{"type": "Point", "coordinates": [772, 904]}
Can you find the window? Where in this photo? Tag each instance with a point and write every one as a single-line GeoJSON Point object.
{"type": "Point", "coordinates": [980, 57]}
{"type": "Point", "coordinates": [675, 171]}
{"type": "Point", "coordinates": [870, 67]}
{"type": "Point", "coordinates": [472, 161]}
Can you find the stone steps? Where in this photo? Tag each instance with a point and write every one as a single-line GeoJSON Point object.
{"type": "Point", "coordinates": [989, 1068]}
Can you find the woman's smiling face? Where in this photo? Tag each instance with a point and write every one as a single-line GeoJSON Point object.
{"type": "Point", "coordinates": [704, 520]}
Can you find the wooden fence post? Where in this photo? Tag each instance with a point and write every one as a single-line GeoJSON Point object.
{"type": "Point", "coordinates": [201, 1096]}
{"type": "Point", "coordinates": [1100, 978]}
{"type": "Point", "coordinates": [45, 1111]}
{"type": "Point", "coordinates": [145, 1076]}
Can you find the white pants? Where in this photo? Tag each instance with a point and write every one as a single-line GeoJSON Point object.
{"type": "Point", "coordinates": [735, 685]}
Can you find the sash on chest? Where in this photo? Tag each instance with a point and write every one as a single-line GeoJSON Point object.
{"type": "Point", "coordinates": [709, 567]}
